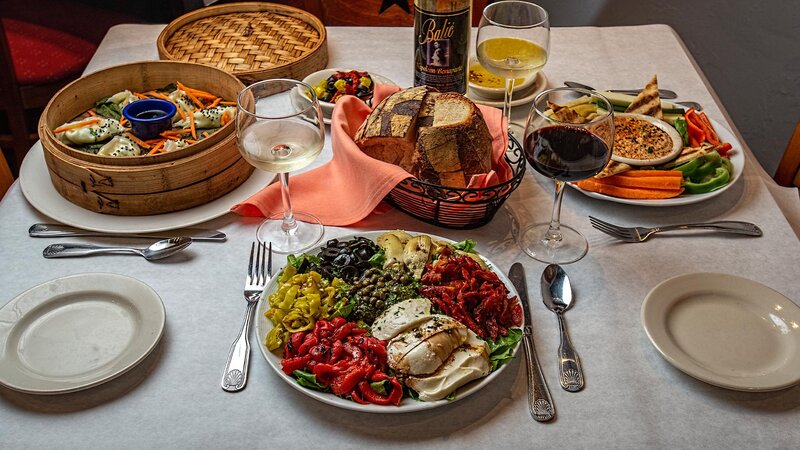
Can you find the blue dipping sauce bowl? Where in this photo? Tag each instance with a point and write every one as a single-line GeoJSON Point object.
{"type": "Point", "coordinates": [149, 117]}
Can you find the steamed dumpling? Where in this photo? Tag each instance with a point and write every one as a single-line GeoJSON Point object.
{"type": "Point", "coordinates": [122, 98]}
{"type": "Point", "coordinates": [91, 133]}
{"type": "Point", "coordinates": [120, 146]}
{"type": "Point", "coordinates": [212, 117]}
{"type": "Point", "coordinates": [183, 102]}
{"type": "Point", "coordinates": [172, 145]}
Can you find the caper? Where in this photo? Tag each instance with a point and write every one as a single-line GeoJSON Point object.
{"type": "Point", "coordinates": [380, 284]}
{"type": "Point", "coordinates": [404, 279]}
{"type": "Point", "coordinates": [379, 304]}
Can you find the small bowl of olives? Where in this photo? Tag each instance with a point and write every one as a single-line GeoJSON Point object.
{"type": "Point", "coordinates": [333, 84]}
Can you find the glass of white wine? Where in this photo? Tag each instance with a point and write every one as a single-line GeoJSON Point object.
{"type": "Point", "coordinates": [513, 43]}
{"type": "Point", "coordinates": [280, 129]}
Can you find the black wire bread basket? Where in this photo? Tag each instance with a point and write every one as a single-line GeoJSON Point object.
{"type": "Point", "coordinates": [458, 208]}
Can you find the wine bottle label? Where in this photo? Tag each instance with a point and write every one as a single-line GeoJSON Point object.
{"type": "Point", "coordinates": [441, 49]}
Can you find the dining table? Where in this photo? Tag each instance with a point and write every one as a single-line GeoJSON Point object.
{"type": "Point", "coordinates": [633, 397]}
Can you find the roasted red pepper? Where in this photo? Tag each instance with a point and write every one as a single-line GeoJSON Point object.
{"type": "Point", "coordinates": [343, 358]}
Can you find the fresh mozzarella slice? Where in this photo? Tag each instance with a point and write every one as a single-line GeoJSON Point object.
{"type": "Point", "coordinates": [400, 317]}
{"type": "Point", "coordinates": [468, 362]}
{"type": "Point", "coordinates": [421, 350]}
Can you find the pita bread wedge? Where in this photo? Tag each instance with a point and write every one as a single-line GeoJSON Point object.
{"type": "Point", "coordinates": [613, 168]}
{"type": "Point", "coordinates": [688, 154]}
{"type": "Point", "coordinates": [647, 102]}
{"type": "Point", "coordinates": [566, 114]}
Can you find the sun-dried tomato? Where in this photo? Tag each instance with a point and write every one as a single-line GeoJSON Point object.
{"type": "Point", "coordinates": [459, 287]}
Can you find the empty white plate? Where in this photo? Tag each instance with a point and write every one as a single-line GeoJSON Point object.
{"type": "Point", "coordinates": [76, 332]}
{"type": "Point", "coordinates": [725, 330]}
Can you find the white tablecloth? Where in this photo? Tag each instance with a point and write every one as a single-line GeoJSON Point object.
{"type": "Point", "coordinates": [633, 397]}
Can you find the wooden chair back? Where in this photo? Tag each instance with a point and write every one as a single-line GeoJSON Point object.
{"type": "Point", "coordinates": [5, 175]}
{"type": "Point", "coordinates": [788, 173]}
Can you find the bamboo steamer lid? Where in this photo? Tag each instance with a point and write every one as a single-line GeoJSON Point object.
{"type": "Point", "coordinates": [254, 41]}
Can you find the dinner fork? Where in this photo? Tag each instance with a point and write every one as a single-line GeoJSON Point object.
{"type": "Point", "coordinates": [258, 273]}
{"type": "Point", "coordinates": [641, 234]}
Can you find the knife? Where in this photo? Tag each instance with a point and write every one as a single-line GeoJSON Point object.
{"type": "Point", "coordinates": [663, 93]}
{"type": "Point", "coordinates": [57, 230]}
{"type": "Point", "coordinates": [539, 401]}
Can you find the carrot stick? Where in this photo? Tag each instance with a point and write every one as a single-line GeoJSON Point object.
{"type": "Point", "coordinates": [191, 123]}
{"type": "Point", "coordinates": [191, 96]}
{"type": "Point", "coordinates": [652, 173]}
{"type": "Point", "coordinates": [627, 192]}
{"type": "Point", "coordinates": [73, 126]}
{"type": "Point", "coordinates": [214, 103]}
{"type": "Point", "coordinates": [197, 92]}
{"type": "Point", "coordinates": [138, 141]}
{"type": "Point", "coordinates": [643, 182]}
{"type": "Point", "coordinates": [157, 149]}
{"type": "Point", "coordinates": [164, 97]}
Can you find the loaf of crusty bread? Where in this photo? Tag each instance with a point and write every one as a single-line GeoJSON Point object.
{"type": "Point", "coordinates": [440, 138]}
{"type": "Point", "coordinates": [389, 133]}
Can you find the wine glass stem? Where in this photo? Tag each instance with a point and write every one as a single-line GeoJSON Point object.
{"type": "Point", "coordinates": [289, 224]}
{"type": "Point", "coordinates": [554, 230]}
{"type": "Point", "coordinates": [507, 100]}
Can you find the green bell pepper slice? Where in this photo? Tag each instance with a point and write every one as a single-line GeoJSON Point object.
{"type": "Point", "coordinates": [718, 179]}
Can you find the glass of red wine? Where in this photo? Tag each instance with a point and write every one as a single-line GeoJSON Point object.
{"type": "Point", "coordinates": [568, 137]}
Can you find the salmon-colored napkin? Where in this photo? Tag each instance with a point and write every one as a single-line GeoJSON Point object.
{"type": "Point", "coordinates": [352, 184]}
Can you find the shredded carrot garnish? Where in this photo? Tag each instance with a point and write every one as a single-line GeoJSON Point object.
{"type": "Point", "coordinates": [214, 103]}
{"type": "Point", "coordinates": [138, 141]}
{"type": "Point", "coordinates": [224, 119]}
{"type": "Point", "coordinates": [154, 141]}
{"type": "Point", "coordinates": [196, 92]}
{"type": "Point", "coordinates": [73, 126]}
{"type": "Point", "coordinates": [205, 134]}
{"type": "Point", "coordinates": [191, 141]}
{"type": "Point", "coordinates": [164, 97]}
{"type": "Point", "coordinates": [191, 123]}
{"type": "Point", "coordinates": [140, 95]}
{"type": "Point", "coordinates": [228, 103]}
{"type": "Point", "coordinates": [123, 121]}
{"type": "Point", "coordinates": [92, 113]}
{"type": "Point", "coordinates": [157, 149]}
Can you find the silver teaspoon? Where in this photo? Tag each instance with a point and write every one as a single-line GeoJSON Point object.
{"type": "Point", "coordinates": [557, 296]}
{"type": "Point", "coordinates": [158, 250]}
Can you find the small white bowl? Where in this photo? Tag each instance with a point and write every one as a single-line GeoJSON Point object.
{"type": "Point", "coordinates": [677, 142]}
{"type": "Point", "coordinates": [316, 77]}
{"type": "Point", "coordinates": [492, 92]}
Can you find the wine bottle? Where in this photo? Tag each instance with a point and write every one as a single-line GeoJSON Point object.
{"type": "Point", "coordinates": [441, 44]}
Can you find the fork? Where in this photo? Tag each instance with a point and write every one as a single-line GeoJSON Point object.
{"type": "Point", "coordinates": [258, 273]}
{"type": "Point", "coordinates": [641, 234]}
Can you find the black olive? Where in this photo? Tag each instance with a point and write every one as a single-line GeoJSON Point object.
{"type": "Point", "coordinates": [332, 243]}
{"type": "Point", "coordinates": [329, 253]}
{"type": "Point", "coordinates": [362, 253]}
{"type": "Point", "coordinates": [343, 260]}
{"type": "Point", "coordinates": [349, 272]}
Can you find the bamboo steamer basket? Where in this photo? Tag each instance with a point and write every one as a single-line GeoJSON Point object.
{"type": "Point", "coordinates": [143, 185]}
{"type": "Point", "coordinates": [254, 41]}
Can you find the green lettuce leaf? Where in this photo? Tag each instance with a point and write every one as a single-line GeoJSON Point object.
{"type": "Point", "coordinates": [298, 261]}
{"type": "Point", "coordinates": [683, 129]}
{"type": "Point", "coordinates": [467, 245]}
{"type": "Point", "coordinates": [308, 380]}
{"type": "Point", "coordinates": [379, 387]}
{"type": "Point", "coordinates": [343, 308]}
{"type": "Point", "coordinates": [378, 258]}
{"type": "Point", "coordinates": [501, 351]}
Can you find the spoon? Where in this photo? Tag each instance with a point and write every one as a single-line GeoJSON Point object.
{"type": "Point", "coordinates": [158, 250]}
{"type": "Point", "coordinates": [663, 93]}
{"type": "Point", "coordinates": [557, 296]}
